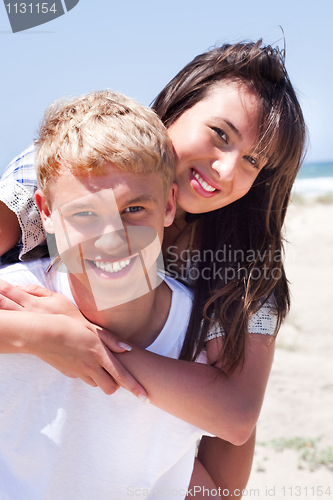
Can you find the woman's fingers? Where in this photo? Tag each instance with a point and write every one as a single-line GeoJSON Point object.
{"type": "Point", "coordinates": [111, 341]}
{"type": "Point", "coordinates": [115, 369]}
{"type": "Point", "coordinates": [123, 378]}
{"type": "Point", "coordinates": [23, 295]}
{"type": "Point", "coordinates": [11, 297]}
{"type": "Point", "coordinates": [75, 348]}
{"type": "Point", "coordinates": [37, 291]}
{"type": "Point", "coordinates": [8, 305]}
{"type": "Point", "coordinates": [103, 380]}
{"type": "Point", "coordinates": [78, 350]}
{"type": "Point", "coordinates": [89, 381]}
{"type": "Point", "coordinates": [36, 299]}
{"type": "Point", "coordinates": [85, 378]}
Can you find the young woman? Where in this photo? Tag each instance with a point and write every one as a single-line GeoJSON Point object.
{"type": "Point", "coordinates": [238, 134]}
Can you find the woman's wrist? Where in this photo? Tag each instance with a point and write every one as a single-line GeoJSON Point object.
{"type": "Point", "coordinates": [19, 331]}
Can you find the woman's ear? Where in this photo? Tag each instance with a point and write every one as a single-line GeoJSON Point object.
{"type": "Point", "coordinates": [170, 207]}
{"type": "Point", "coordinates": [45, 211]}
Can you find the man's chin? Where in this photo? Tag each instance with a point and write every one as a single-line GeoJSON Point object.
{"type": "Point", "coordinates": [107, 292]}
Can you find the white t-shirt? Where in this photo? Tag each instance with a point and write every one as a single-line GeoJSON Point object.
{"type": "Point", "coordinates": [61, 439]}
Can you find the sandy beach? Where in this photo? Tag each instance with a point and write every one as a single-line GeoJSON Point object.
{"type": "Point", "coordinates": [294, 453]}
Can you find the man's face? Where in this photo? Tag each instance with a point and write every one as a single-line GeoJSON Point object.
{"type": "Point", "coordinates": [109, 231]}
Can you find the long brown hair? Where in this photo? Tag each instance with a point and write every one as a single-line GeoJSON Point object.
{"type": "Point", "coordinates": [252, 225]}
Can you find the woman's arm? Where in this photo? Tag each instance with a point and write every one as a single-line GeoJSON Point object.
{"type": "Point", "coordinates": [227, 407]}
{"type": "Point", "coordinates": [229, 466]}
{"type": "Point", "coordinates": [9, 229]}
{"type": "Point", "coordinates": [201, 485]}
{"type": "Point", "coordinates": [65, 341]}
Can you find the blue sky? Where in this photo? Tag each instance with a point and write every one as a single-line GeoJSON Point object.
{"type": "Point", "coordinates": [137, 46]}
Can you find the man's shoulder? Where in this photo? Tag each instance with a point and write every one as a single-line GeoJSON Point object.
{"type": "Point", "coordinates": [177, 287]}
{"type": "Point", "coordinates": [26, 273]}
{"type": "Point", "coordinates": [182, 300]}
{"type": "Point", "coordinates": [170, 340]}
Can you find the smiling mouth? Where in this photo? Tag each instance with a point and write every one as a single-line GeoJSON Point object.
{"type": "Point", "coordinates": [207, 187]}
{"type": "Point", "coordinates": [112, 267]}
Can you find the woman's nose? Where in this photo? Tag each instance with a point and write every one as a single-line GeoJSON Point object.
{"type": "Point", "coordinates": [226, 167]}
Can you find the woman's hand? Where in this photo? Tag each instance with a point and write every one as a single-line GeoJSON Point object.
{"type": "Point", "coordinates": [59, 335]}
{"type": "Point", "coordinates": [226, 406]}
{"type": "Point", "coordinates": [36, 299]}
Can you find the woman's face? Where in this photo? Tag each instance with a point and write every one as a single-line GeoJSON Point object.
{"type": "Point", "coordinates": [214, 143]}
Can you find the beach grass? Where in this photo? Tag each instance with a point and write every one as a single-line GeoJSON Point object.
{"type": "Point", "coordinates": [310, 455]}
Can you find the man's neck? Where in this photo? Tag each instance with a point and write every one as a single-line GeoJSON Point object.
{"type": "Point", "coordinates": [139, 321]}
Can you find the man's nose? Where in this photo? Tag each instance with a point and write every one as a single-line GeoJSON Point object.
{"type": "Point", "coordinates": [113, 242]}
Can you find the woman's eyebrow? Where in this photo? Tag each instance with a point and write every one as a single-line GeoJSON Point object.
{"type": "Point", "coordinates": [233, 128]}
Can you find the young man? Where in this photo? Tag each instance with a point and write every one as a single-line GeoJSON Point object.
{"type": "Point", "coordinates": [105, 167]}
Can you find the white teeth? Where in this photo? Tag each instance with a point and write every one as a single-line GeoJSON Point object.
{"type": "Point", "coordinates": [203, 183]}
{"type": "Point", "coordinates": [112, 267]}
{"type": "Point", "coordinates": [116, 267]}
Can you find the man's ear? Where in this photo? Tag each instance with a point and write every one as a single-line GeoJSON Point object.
{"type": "Point", "coordinates": [45, 211]}
{"type": "Point", "coordinates": [170, 207]}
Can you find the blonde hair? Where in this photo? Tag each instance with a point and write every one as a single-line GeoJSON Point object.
{"type": "Point", "coordinates": [86, 132]}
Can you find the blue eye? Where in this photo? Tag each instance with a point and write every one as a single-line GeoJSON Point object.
{"type": "Point", "coordinates": [133, 210]}
{"type": "Point", "coordinates": [84, 214]}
